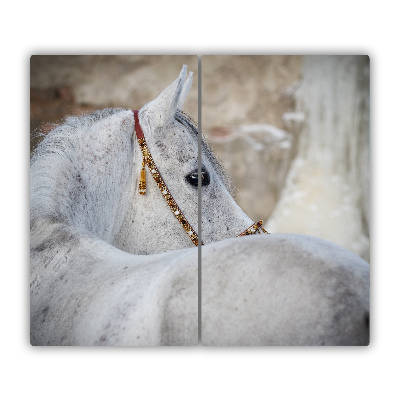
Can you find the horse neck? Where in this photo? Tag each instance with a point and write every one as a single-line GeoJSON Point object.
{"type": "Point", "coordinates": [81, 174]}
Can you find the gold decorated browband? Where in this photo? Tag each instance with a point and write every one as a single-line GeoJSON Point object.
{"type": "Point", "coordinates": [148, 160]}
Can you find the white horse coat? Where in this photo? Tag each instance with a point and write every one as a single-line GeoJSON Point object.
{"type": "Point", "coordinates": [283, 289]}
{"type": "Point", "coordinates": [112, 267]}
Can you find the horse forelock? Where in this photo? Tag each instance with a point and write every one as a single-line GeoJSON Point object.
{"type": "Point", "coordinates": [207, 152]}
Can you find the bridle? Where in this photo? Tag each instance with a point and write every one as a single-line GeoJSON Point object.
{"type": "Point", "coordinates": [148, 160]}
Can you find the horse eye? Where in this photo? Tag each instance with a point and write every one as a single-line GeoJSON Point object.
{"type": "Point", "coordinates": [193, 178]}
{"type": "Point", "coordinates": [205, 178]}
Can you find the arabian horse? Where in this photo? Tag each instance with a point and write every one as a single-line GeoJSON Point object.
{"type": "Point", "coordinates": [115, 243]}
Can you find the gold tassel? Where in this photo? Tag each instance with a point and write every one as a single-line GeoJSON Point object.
{"type": "Point", "coordinates": [142, 181]}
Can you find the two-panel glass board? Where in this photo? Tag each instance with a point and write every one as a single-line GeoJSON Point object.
{"type": "Point", "coordinates": [216, 200]}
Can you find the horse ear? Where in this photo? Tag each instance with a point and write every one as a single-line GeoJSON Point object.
{"type": "Point", "coordinates": [185, 91]}
{"type": "Point", "coordinates": [162, 110]}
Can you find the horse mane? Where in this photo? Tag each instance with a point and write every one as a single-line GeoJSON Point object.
{"type": "Point", "coordinates": [81, 168]}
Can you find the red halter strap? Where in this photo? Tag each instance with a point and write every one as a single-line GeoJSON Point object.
{"type": "Point", "coordinates": [138, 128]}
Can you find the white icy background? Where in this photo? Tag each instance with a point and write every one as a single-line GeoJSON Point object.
{"type": "Point", "coordinates": [327, 189]}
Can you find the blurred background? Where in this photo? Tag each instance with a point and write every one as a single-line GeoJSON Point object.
{"type": "Point", "coordinates": [292, 131]}
{"type": "Point", "coordinates": [71, 85]}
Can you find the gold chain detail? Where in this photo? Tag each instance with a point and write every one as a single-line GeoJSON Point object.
{"type": "Point", "coordinates": [255, 228]}
{"type": "Point", "coordinates": [142, 181]}
{"type": "Point", "coordinates": [148, 160]}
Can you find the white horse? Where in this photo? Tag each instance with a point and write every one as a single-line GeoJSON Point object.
{"type": "Point", "coordinates": [110, 266]}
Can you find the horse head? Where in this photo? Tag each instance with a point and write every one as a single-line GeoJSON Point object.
{"type": "Point", "coordinates": [172, 139]}
{"type": "Point", "coordinates": [85, 175]}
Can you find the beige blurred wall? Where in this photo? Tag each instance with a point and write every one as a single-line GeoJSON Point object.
{"type": "Point", "coordinates": [244, 100]}
{"type": "Point", "coordinates": [63, 85]}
